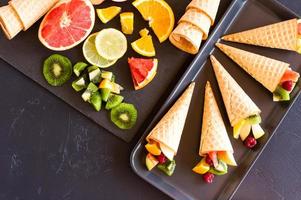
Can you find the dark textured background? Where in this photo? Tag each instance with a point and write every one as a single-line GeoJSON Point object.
{"type": "Point", "coordinates": [73, 158]}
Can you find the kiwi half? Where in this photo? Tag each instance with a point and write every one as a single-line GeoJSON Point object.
{"type": "Point", "coordinates": [57, 69]}
{"type": "Point", "coordinates": [124, 115]}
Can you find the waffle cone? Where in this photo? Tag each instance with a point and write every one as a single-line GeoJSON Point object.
{"type": "Point", "coordinates": [238, 104]}
{"type": "Point", "coordinates": [282, 35]}
{"type": "Point", "coordinates": [265, 70]}
{"type": "Point", "coordinates": [214, 134]}
{"type": "Point", "coordinates": [208, 7]}
{"type": "Point", "coordinates": [187, 37]}
{"type": "Point", "coordinates": [198, 19]}
{"type": "Point", "coordinates": [169, 130]}
{"type": "Point", "coordinates": [9, 22]}
{"type": "Point", "coordinates": [30, 11]}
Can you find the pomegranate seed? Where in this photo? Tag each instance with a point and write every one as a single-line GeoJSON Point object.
{"type": "Point", "coordinates": [287, 85]}
{"type": "Point", "coordinates": [208, 177]}
{"type": "Point", "coordinates": [209, 161]}
{"type": "Point", "coordinates": [250, 142]}
{"type": "Point", "coordinates": [161, 158]}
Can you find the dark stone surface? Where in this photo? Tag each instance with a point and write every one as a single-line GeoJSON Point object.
{"type": "Point", "coordinates": [72, 158]}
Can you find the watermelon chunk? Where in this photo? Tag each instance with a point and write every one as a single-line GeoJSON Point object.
{"type": "Point", "coordinates": [290, 75]}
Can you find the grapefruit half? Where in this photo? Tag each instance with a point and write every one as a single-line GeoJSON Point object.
{"type": "Point", "coordinates": [67, 24]}
{"type": "Point", "coordinates": [143, 71]}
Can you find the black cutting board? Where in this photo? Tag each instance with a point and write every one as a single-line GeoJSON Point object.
{"type": "Point", "coordinates": [26, 54]}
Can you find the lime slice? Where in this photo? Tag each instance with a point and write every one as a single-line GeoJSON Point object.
{"type": "Point", "coordinates": [111, 44]}
{"type": "Point", "coordinates": [91, 55]}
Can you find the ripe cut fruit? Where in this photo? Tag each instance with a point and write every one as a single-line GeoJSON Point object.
{"type": "Point", "coordinates": [67, 24]}
{"type": "Point", "coordinates": [159, 14]}
{"type": "Point", "coordinates": [202, 167]}
{"type": "Point", "coordinates": [143, 71]}
{"type": "Point", "coordinates": [124, 116]}
{"type": "Point", "coordinates": [107, 14]}
{"type": "Point", "coordinates": [127, 22]}
{"type": "Point", "coordinates": [227, 157]}
{"type": "Point", "coordinates": [111, 44]}
{"type": "Point", "coordinates": [153, 148]}
{"type": "Point", "coordinates": [144, 46]}
{"type": "Point", "coordinates": [150, 161]}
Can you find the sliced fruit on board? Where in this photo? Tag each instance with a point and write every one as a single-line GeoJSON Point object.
{"type": "Point", "coordinates": [111, 43]}
{"type": "Point", "coordinates": [127, 22]}
{"type": "Point", "coordinates": [144, 46]}
{"type": "Point", "coordinates": [67, 24]}
{"type": "Point", "coordinates": [143, 71]}
{"type": "Point", "coordinates": [124, 115]}
{"type": "Point", "coordinates": [113, 101]}
{"type": "Point", "coordinates": [159, 14]}
{"type": "Point", "coordinates": [92, 56]}
{"type": "Point", "coordinates": [107, 14]}
{"type": "Point", "coordinates": [57, 69]}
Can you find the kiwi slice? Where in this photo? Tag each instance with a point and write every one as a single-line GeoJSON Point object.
{"type": "Point", "coordinates": [113, 101]}
{"type": "Point", "coordinates": [105, 94]}
{"type": "Point", "coordinates": [57, 69]}
{"type": "Point", "coordinates": [95, 101]}
{"type": "Point", "coordinates": [124, 115]}
{"type": "Point", "coordinates": [79, 67]}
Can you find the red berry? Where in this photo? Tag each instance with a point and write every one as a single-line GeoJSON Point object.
{"type": "Point", "coordinates": [161, 158]}
{"type": "Point", "coordinates": [250, 142]}
{"type": "Point", "coordinates": [208, 177]}
{"type": "Point", "coordinates": [287, 85]}
{"type": "Point", "coordinates": [209, 161]}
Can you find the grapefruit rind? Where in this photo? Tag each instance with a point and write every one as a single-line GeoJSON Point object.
{"type": "Point", "coordinates": [63, 48]}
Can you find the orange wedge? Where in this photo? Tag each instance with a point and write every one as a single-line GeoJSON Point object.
{"type": "Point", "coordinates": [159, 14]}
{"type": "Point", "coordinates": [144, 46]}
{"type": "Point", "coordinates": [127, 22]}
{"type": "Point", "coordinates": [107, 14]}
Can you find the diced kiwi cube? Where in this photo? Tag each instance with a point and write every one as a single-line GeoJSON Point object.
{"type": "Point", "coordinates": [92, 68]}
{"type": "Point", "coordinates": [105, 94]}
{"type": "Point", "coordinates": [79, 67]}
{"type": "Point", "coordinates": [107, 75]}
{"type": "Point", "coordinates": [86, 95]}
{"type": "Point", "coordinates": [92, 87]}
{"type": "Point", "coordinates": [79, 84]}
{"type": "Point", "coordinates": [113, 101]}
{"type": "Point", "coordinates": [95, 76]}
{"type": "Point", "coordinates": [96, 100]}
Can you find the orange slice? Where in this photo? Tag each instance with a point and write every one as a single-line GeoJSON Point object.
{"type": "Point", "coordinates": [127, 22]}
{"type": "Point", "coordinates": [144, 46]}
{"type": "Point", "coordinates": [159, 14]}
{"type": "Point", "coordinates": [107, 14]}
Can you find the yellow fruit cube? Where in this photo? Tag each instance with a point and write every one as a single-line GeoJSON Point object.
{"type": "Point", "coordinates": [245, 131]}
{"type": "Point", "coordinates": [153, 148]}
{"type": "Point", "coordinates": [227, 157]}
{"type": "Point", "coordinates": [202, 167]}
{"type": "Point", "coordinates": [237, 128]}
{"type": "Point", "coordinates": [258, 132]}
{"type": "Point", "coordinates": [127, 22]}
{"type": "Point", "coordinates": [150, 161]}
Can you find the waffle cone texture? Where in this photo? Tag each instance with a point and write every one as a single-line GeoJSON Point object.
{"type": "Point", "coordinates": [169, 130]}
{"type": "Point", "coordinates": [214, 134]}
{"type": "Point", "coordinates": [266, 71]}
{"type": "Point", "coordinates": [282, 35]}
{"type": "Point", "coordinates": [238, 104]}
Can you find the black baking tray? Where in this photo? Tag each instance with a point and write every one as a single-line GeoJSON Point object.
{"type": "Point", "coordinates": [26, 54]}
{"type": "Point", "coordinates": [184, 184]}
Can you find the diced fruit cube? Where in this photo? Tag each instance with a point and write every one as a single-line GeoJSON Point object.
{"type": "Point", "coordinates": [92, 87]}
{"type": "Point", "coordinates": [221, 167]}
{"type": "Point", "coordinates": [213, 157]}
{"type": "Point", "coordinates": [79, 84]}
{"type": "Point", "coordinates": [258, 132]}
{"type": "Point", "coordinates": [105, 83]}
{"type": "Point", "coordinates": [281, 94]}
{"type": "Point", "coordinates": [105, 94]}
{"type": "Point", "coordinates": [79, 67]}
{"type": "Point", "coordinates": [86, 95]}
{"type": "Point", "coordinates": [95, 101]}
{"type": "Point", "coordinates": [116, 88]}
{"type": "Point", "coordinates": [107, 75]}
{"type": "Point", "coordinates": [202, 167]}
{"type": "Point", "coordinates": [245, 131]}
{"type": "Point", "coordinates": [150, 161]}
{"type": "Point", "coordinates": [237, 128]}
{"type": "Point", "coordinates": [168, 168]}
{"type": "Point", "coordinates": [226, 157]}
{"type": "Point", "coordinates": [127, 22]}
{"type": "Point", "coordinates": [153, 148]}
{"type": "Point", "coordinates": [113, 101]}
{"type": "Point", "coordinates": [95, 76]}
{"type": "Point", "coordinates": [144, 32]}
{"type": "Point", "coordinates": [255, 119]}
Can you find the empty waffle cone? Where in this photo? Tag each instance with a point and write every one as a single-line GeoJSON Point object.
{"type": "Point", "coordinates": [9, 22]}
{"type": "Point", "coordinates": [208, 7]}
{"type": "Point", "coordinates": [187, 37]}
{"type": "Point", "coordinates": [198, 19]}
{"type": "Point", "coordinates": [282, 35]}
{"type": "Point", "coordinates": [214, 134]}
{"type": "Point", "coordinates": [238, 104]}
{"type": "Point", "coordinates": [266, 71]}
{"type": "Point", "coordinates": [30, 11]}
{"type": "Point", "coordinates": [169, 130]}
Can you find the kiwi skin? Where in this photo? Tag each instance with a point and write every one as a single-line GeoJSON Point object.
{"type": "Point", "coordinates": [124, 116]}
{"type": "Point", "coordinates": [57, 69]}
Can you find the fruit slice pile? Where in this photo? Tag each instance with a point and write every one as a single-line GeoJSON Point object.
{"type": "Point", "coordinates": [100, 88]}
{"type": "Point", "coordinates": [104, 48]}
{"type": "Point", "coordinates": [67, 24]}
{"type": "Point", "coordinates": [143, 71]}
{"type": "Point", "coordinates": [159, 14]}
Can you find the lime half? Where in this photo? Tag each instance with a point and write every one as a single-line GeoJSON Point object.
{"type": "Point", "coordinates": [91, 55]}
{"type": "Point", "coordinates": [111, 44]}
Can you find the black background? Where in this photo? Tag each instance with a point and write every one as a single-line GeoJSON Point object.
{"type": "Point", "coordinates": [50, 151]}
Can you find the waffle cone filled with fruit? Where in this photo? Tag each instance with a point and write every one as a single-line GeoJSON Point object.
{"type": "Point", "coordinates": [194, 25]}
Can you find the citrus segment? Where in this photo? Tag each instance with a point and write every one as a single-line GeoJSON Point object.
{"type": "Point", "coordinates": [159, 14]}
{"type": "Point", "coordinates": [107, 14]}
{"type": "Point", "coordinates": [127, 22]}
{"type": "Point", "coordinates": [143, 71]}
{"type": "Point", "coordinates": [91, 55]}
{"type": "Point", "coordinates": [144, 46]}
{"type": "Point", "coordinates": [111, 44]}
{"type": "Point", "coordinates": [67, 24]}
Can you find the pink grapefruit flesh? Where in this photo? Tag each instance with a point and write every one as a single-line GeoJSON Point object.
{"type": "Point", "coordinates": [67, 24]}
